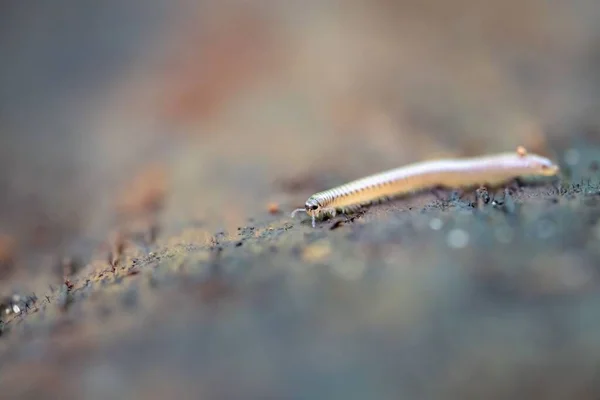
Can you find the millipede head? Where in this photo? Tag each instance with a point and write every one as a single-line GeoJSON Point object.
{"type": "Point", "coordinates": [312, 214]}
{"type": "Point", "coordinates": [311, 205]}
{"type": "Point", "coordinates": [312, 208]}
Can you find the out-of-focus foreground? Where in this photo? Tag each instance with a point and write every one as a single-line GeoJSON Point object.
{"type": "Point", "coordinates": [150, 153]}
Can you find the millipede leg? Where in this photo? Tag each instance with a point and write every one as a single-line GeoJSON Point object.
{"type": "Point", "coordinates": [482, 197]}
{"type": "Point", "coordinates": [439, 194]}
{"type": "Point", "coordinates": [456, 195]}
{"type": "Point", "coordinates": [515, 185]}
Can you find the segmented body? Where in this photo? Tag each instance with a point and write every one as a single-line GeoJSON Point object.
{"type": "Point", "coordinates": [491, 170]}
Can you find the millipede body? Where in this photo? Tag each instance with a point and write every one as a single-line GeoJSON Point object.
{"type": "Point", "coordinates": [491, 170]}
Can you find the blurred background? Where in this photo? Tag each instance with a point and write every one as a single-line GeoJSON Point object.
{"type": "Point", "coordinates": [201, 113]}
{"type": "Point", "coordinates": [184, 118]}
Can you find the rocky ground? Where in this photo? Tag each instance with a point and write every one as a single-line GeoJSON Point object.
{"type": "Point", "coordinates": [147, 249]}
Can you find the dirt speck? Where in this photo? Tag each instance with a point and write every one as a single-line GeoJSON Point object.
{"type": "Point", "coordinates": [273, 208]}
{"type": "Point", "coordinates": [317, 252]}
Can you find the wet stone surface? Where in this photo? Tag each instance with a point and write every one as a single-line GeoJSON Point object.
{"type": "Point", "coordinates": [147, 173]}
{"type": "Point", "coordinates": [395, 299]}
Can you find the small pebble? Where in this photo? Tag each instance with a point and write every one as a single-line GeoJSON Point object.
{"type": "Point", "coordinates": [436, 224]}
{"type": "Point", "coordinates": [273, 208]}
{"type": "Point", "coordinates": [316, 252]}
{"type": "Point", "coordinates": [457, 238]}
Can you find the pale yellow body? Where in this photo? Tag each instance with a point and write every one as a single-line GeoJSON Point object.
{"type": "Point", "coordinates": [492, 170]}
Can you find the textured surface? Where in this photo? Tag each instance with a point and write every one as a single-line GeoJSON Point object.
{"type": "Point", "coordinates": [150, 161]}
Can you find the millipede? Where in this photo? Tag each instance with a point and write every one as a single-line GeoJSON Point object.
{"type": "Point", "coordinates": [488, 170]}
